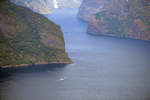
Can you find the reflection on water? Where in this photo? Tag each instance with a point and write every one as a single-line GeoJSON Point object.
{"type": "Point", "coordinates": [104, 68]}
{"type": "Point", "coordinates": [8, 72]}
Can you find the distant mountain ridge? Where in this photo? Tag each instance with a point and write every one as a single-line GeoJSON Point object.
{"type": "Point", "coordinates": [46, 6]}
{"type": "Point", "coordinates": [39, 6]}
{"type": "Point", "coordinates": [68, 3]}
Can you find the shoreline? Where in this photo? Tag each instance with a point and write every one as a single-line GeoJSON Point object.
{"type": "Point", "coordinates": [37, 64]}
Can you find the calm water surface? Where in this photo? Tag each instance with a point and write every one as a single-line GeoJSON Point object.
{"type": "Point", "coordinates": [104, 68]}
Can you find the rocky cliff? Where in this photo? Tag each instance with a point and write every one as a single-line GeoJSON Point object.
{"type": "Point", "coordinates": [122, 18]}
{"type": "Point", "coordinates": [28, 38]}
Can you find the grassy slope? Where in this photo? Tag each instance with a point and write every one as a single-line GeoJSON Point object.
{"type": "Point", "coordinates": [20, 38]}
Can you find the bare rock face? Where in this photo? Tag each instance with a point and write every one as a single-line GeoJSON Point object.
{"type": "Point", "coordinates": [122, 18]}
{"type": "Point", "coordinates": [28, 38]}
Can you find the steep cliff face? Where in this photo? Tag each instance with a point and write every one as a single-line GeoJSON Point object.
{"type": "Point", "coordinates": [39, 6]}
{"type": "Point", "coordinates": [91, 7]}
{"type": "Point", "coordinates": [28, 38]}
{"type": "Point", "coordinates": [122, 18]}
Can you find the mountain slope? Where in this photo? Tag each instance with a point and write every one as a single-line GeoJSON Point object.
{"type": "Point", "coordinates": [89, 8]}
{"type": "Point", "coordinates": [121, 18]}
{"type": "Point", "coordinates": [28, 38]}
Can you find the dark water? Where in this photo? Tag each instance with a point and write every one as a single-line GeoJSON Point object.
{"type": "Point", "coordinates": [104, 68]}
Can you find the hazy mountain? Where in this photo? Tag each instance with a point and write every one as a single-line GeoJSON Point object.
{"type": "Point", "coordinates": [39, 6]}
{"type": "Point", "coordinates": [66, 3]}
{"type": "Point", "coordinates": [46, 6]}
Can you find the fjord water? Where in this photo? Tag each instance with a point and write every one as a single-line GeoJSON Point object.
{"type": "Point", "coordinates": [104, 68]}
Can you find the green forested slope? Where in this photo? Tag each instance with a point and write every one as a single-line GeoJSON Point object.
{"type": "Point", "coordinates": [28, 38]}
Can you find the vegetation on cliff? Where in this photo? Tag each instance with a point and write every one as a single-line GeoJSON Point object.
{"type": "Point", "coordinates": [28, 38]}
{"type": "Point", "coordinates": [122, 18]}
